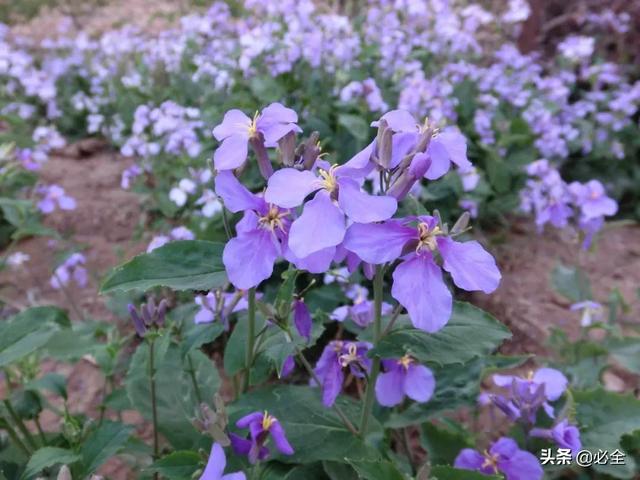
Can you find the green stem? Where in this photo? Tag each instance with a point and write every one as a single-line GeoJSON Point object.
{"type": "Point", "coordinates": [43, 439]}
{"type": "Point", "coordinates": [251, 337]}
{"type": "Point", "coordinates": [154, 406]}
{"type": "Point", "coordinates": [192, 374]}
{"type": "Point", "coordinates": [313, 375]}
{"type": "Point", "coordinates": [68, 296]}
{"type": "Point", "coordinates": [15, 438]}
{"type": "Point", "coordinates": [20, 424]}
{"type": "Point", "coordinates": [378, 282]}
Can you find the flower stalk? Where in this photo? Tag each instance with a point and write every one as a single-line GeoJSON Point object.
{"type": "Point", "coordinates": [378, 283]}
{"type": "Point", "coordinates": [154, 403]}
{"type": "Point", "coordinates": [251, 336]}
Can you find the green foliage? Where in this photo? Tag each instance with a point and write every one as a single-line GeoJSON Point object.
{"type": "Point", "coordinates": [470, 333]}
{"type": "Point", "coordinates": [316, 430]}
{"type": "Point", "coordinates": [604, 418]}
{"type": "Point", "coordinates": [48, 457]}
{"type": "Point", "coordinates": [571, 283]}
{"type": "Point", "coordinates": [180, 265]}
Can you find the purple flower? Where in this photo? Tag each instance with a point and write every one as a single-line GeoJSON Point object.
{"type": "Point", "coordinates": [219, 303]}
{"type": "Point", "coordinates": [261, 426]}
{"type": "Point", "coordinates": [237, 130]}
{"type": "Point", "coordinates": [302, 319]}
{"type": "Point", "coordinates": [323, 224]}
{"type": "Point", "coordinates": [215, 466]}
{"type": "Point", "coordinates": [410, 138]}
{"type": "Point", "coordinates": [249, 257]}
{"type": "Point", "coordinates": [404, 377]}
{"type": "Point", "coordinates": [129, 175]}
{"type": "Point", "coordinates": [361, 312]}
{"type": "Point", "coordinates": [262, 237]}
{"type": "Point", "coordinates": [504, 457]}
{"type": "Point", "coordinates": [336, 356]}
{"type": "Point", "coordinates": [563, 434]}
{"type": "Point", "coordinates": [590, 311]}
{"type": "Point", "coordinates": [52, 196]}
{"type": "Point", "coordinates": [73, 268]}
{"type": "Point", "coordinates": [417, 280]}
{"type": "Point", "coordinates": [177, 233]}
{"type": "Point", "coordinates": [592, 200]}
{"type": "Point", "coordinates": [527, 395]}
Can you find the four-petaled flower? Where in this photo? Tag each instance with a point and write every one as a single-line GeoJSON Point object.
{"type": "Point", "coordinates": [52, 196]}
{"type": "Point", "coordinates": [527, 395]}
{"type": "Point", "coordinates": [404, 377]}
{"type": "Point", "coordinates": [237, 130]}
{"type": "Point", "coordinates": [417, 281]}
{"type": "Point", "coordinates": [337, 356]}
{"type": "Point", "coordinates": [216, 464]}
{"type": "Point", "coordinates": [261, 425]}
{"type": "Point", "coordinates": [323, 222]}
{"type": "Point", "coordinates": [504, 457]}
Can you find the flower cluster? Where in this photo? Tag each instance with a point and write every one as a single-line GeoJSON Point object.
{"type": "Point", "coordinates": [53, 197]}
{"type": "Point", "coordinates": [552, 200]}
{"type": "Point", "coordinates": [72, 269]}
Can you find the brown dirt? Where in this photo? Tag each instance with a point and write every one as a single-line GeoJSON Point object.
{"type": "Point", "coordinates": [102, 227]}
{"type": "Point", "coordinates": [526, 301]}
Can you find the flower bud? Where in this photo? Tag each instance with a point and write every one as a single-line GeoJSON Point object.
{"type": "Point", "coordinates": [287, 149]}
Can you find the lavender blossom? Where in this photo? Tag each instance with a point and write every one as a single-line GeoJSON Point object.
{"type": "Point", "coordinates": [504, 457]}
{"type": "Point", "coordinates": [590, 311]}
{"type": "Point", "coordinates": [527, 395]}
{"type": "Point", "coordinates": [72, 269]}
{"type": "Point", "coordinates": [54, 196]}
{"type": "Point", "coordinates": [216, 465]}
{"type": "Point", "coordinates": [417, 280]}
{"type": "Point", "coordinates": [237, 130]}
{"type": "Point", "coordinates": [563, 434]}
{"type": "Point", "coordinates": [337, 356]}
{"type": "Point", "coordinates": [261, 426]}
{"type": "Point", "coordinates": [404, 377]}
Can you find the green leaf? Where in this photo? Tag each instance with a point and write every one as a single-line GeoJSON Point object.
{"type": "Point", "coordinates": [626, 352]}
{"type": "Point", "coordinates": [312, 471]}
{"type": "Point", "coordinates": [339, 471]}
{"type": "Point", "coordinates": [177, 465]}
{"type": "Point", "coordinates": [27, 332]}
{"type": "Point", "coordinates": [604, 417]}
{"type": "Point", "coordinates": [198, 335]}
{"type": "Point", "coordinates": [48, 457]}
{"type": "Point", "coordinates": [470, 333]}
{"type": "Point", "coordinates": [53, 382]}
{"type": "Point", "coordinates": [315, 432]}
{"type": "Point", "coordinates": [103, 443]}
{"type": "Point", "coordinates": [449, 473]}
{"type": "Point", "coordinates": [375, 470]}
{"type": "Point", "coordinates": [277, 348]}
{"type": "Point", "coordinates": [174, 405]}
{"type": "Point", "coordinates": [571, 282]}
{"type": "Point", "coordinates": [444, 443]}
{"type": "Point", "coordinates": [356, 125]}
{"type": "Point", "coordinates": [180, 265]}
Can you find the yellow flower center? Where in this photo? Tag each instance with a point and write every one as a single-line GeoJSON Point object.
{"type": "Point", "coordinates": [427, 237]}
{"type": "Point", "coordinates": [350, 357]}
{"type": "Point", "coordinates": [329, 181]}
{"type": "Point", "coordinates": [273, 219]}
{"type": "Point", "coordinates": [490, 461]}
{"type": "Point", "coordinates": [267, 420]}
{"type": "Point", "coordinates": [405, 361]}
{"type": "Point", "coordinates": [253, 126]}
